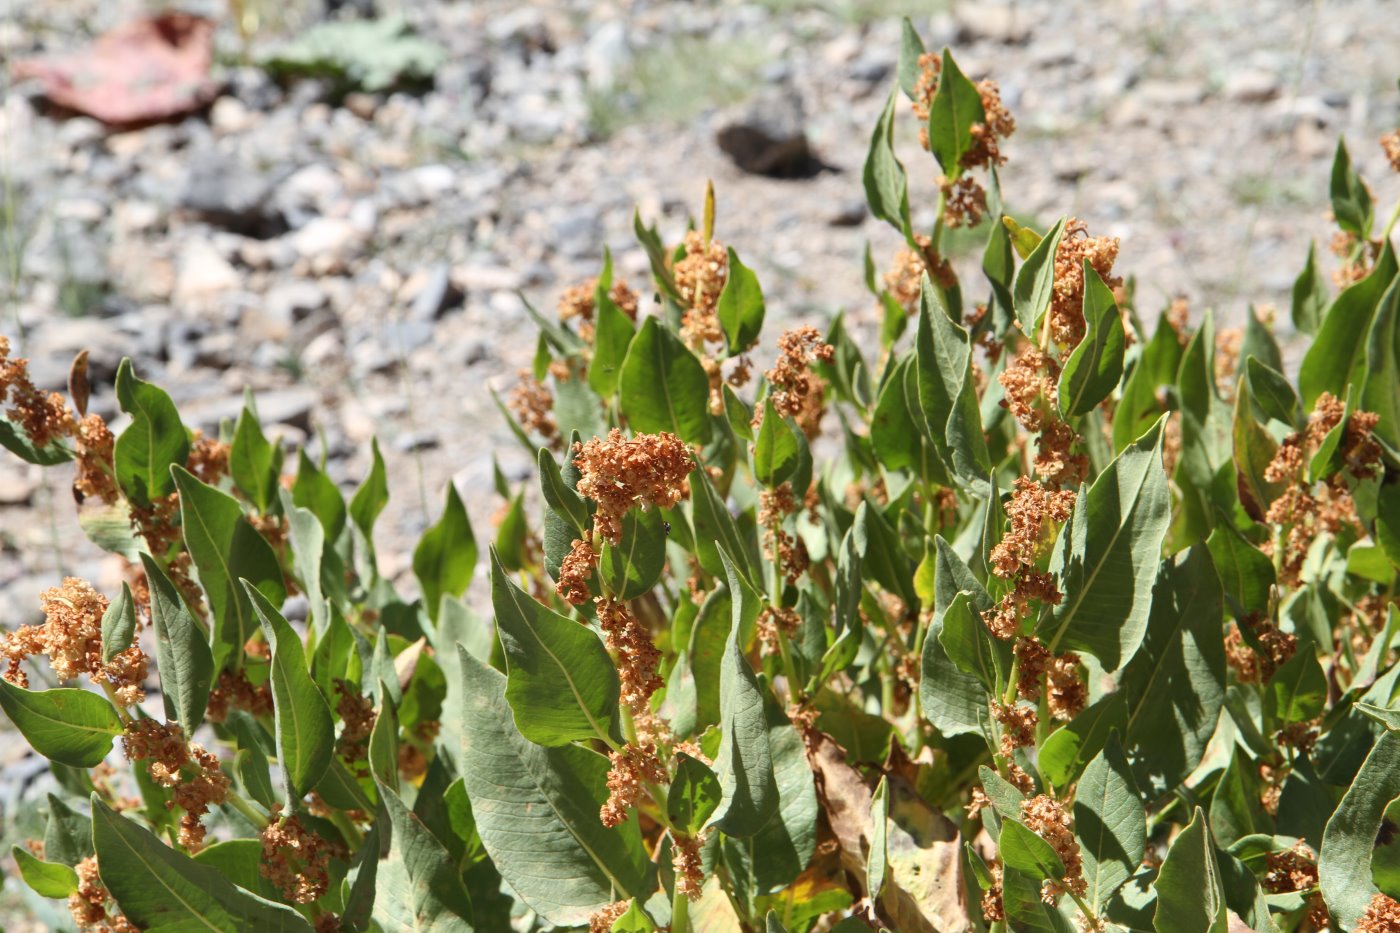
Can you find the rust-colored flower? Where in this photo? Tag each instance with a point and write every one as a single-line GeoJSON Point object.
{"type": "Point", "coordinates": [1046, 817]}
{"type": "Point", "coordinates": [632, 767]}
{"type": "Point", "coordinates": [619, 473]}
{"type": "Point", "coordinates": [637, 656]}
{"type": "Point", "coordinates": [797, 391]}
{"type": "Point", "coordinates": [92, 906]}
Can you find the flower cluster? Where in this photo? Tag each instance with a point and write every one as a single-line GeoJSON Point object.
{"type": "Point", "coordinates": [235, 691]}
{"type": "Point", "coordinates": [784, 549]}
{"type": "Point", "coordinates": [796, 390]}
{"type": "Point", "coordinates": [618, 473]}
{"type": "Point", "coordinates": [91, 905]}
{"type": "Point", "coordinates": [188, 769]}
{"type": "Point", "coordinates": [71, 637]}
{"type": "Point", "coordinates": [636, 654]}
{"type": "Point", "coordinates": [632, 767]}
{"type": "Point", "coordinates": [904, 281]}
{"type": "Point", "coordinates": [700, 276]}
{"type": "Point", "coordinates": [602, 920]}
{"type": "Point", "coordinates": [1067, 299]}
{"type": "Point", "coordinates": [1031, 385]}
{"type": "Point", "coordinates": [1046, 817]}
{"type": "Point", "coordinates": [579, 302]}
{"type": "Point", "coordinates": [1382, 916]}
{"type": "Point", "coordinates": [296, 860]}
{"type": "Point", "coordinates": [533, 406]}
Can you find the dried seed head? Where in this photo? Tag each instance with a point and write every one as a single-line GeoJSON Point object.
{"type": "Point", "coordinates": [1382, 916]}
{"type": "Point", "coordinates": [618, 473]}
{"type": "Point", "coordinates": [602, 920]}
{"type": "Point", "coordinates": [1067, 300]}
{"type": "Point", "coordinates": [91, 906]}
{"type": "Point", "coordinates": [687, 863]}
{"type": "Point", "coordinates": [632, 767]}
{"type": "Point", "coordinates": [296, 860]}
{"type": "Point", "coordinates": [1046, 817]}
{"type": "Point", "coordinates": [575, 570]}
{"type": "Point", "coordinates": [797, 392]}
{"type": "Point", "coordinates": [1390, 145]}
{"type": "Point", "coordinates": [637, 656]}
{"type": "Point", "coordinates": [533, 406]}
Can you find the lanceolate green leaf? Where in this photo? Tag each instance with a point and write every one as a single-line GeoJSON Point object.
{"type": "Point", "coordinates": [1156, 367]}
{"type": "Point", "coordinates": [225, 549]}
{"type": "Point", "coordinates": [253, 462]}
{"type": "Point", "coordinates": [1254, 449]}
{"type": "Point", "coordinates": [1189, 892]}
{"type": "Point", "coordinates": [47, 879]}
{"type": "Point", "coordinates": [745, 761]}
{"type": "Point", "coordinates": [1096, 364]}
{"type": "Point", "coordinates": [536, 810]}
{"type": "Point", "coordinates": [445, 557]}
{"type": "Point", "coordinates": [1331, 362]}
{"type": "Point", "coordinates": [1380, 387]}
{"type": "Point", "coordinates": [158, 889]}
{"type": "Point", "coordinates": [1175, 688]}
{"type": "Point", "coordinates": [316, 491]}
{"type": "Point", "coordinates": [782, 847]}
{"type": "Point", "coordinates": [631, 568]}
{"type": "Point", "coordinates": [372, 495]}
{"type": "Point", "coordinates": [183, 659]}
{"type": "Point", "coordinates": [1036, 280]}
{"type": "Point", "coordinates": [1347, 843]}
{"type": "Point", "coordinates": [740, 307]}
{"type": "Point", "coordinates": [878, 861]}
{"type": "Point", "coordinates": [778, 449]}
{"type": "Point", "coordinates": [1351, 201]}
{"type": "Point", "coordinates": [305, 730]}
{"type": "Point", "coordinates": [947, 396]}
{"type": "Point", "coordinates": [1026, 852]}
{"type": "Point", "coordinates": [715, 529]}
{"type": "Point", "coordinates": [1107, 557]}
{"type": "Point", "coordinates": [612, 335]}
{"type": "Point", "coordinates": [664, 387]}
{"type": "Point", "coordinates": [886, 185]}
{"type": "Point", "coordinates": [956, 107]}
{"type": "Point", "coordinates": [1110, 822]}
{"type": "Point", "coordinates": [971, 646]}
{"type": "Point", "coordinates": [68, 725]}
{"type": "Point", "coordinates": [418, 887]}
{"type": "Point", "coordinates": [562, 685]}
{"type": "Point", "coordinates": [153, 440]}
{"type": "Point", "coordinates": [68, 835]}
{"type": "Point", "coordinates": [1309, 295]}
{"type": "Point", "coordinates": [118, 625]}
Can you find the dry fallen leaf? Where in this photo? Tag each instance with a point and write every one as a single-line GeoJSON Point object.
{"type": "Point", "coordinates": [145, 71]}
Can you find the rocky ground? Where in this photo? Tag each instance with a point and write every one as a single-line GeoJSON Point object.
{"type": "Point", "coordinates": [359, 262]}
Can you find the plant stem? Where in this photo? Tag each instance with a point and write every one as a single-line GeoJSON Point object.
{"type": "Point", "coordinates": [680, 912]}
{"type": "Point", "coordinates": [245, 806]}
{"type": "Point", "coordinates": [122, 714]}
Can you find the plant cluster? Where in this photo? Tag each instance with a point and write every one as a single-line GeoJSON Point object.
{"type": "Point", "coordinates": [1039, 619]}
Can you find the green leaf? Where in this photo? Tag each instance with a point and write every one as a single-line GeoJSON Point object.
{"type": "Point", "coordinates": [225, 549]}
{"type": "Point", "coordinates": [953, 700]}
{"type": "Point", "coordinates": [664, 387]}
{"type": "Point", "coordinates": [1259, 343]}
{"type": "Point", "coordinates": [1094, 367]}
{"type": "Point", "coordinates": [694, 794]}
{"type": "Point", "coordinates": [947, 393]}
{"type": "Point", "coordinates": [1351, 201]}
{"type": "Point", "coordinates": [715, 529]}
{"type": "Point", "coordinates": [1235, 808]}
{"type": "Point", "coordinates": [955, 109]}
{"type": "Point", "coordinates": [878, 860]}
{"type": "Point", "coordinates": [745, 761]}
{"type": "Point", "coordinates": [316, 491]}
{"type": "Point", "coordinates": [118, 625]}
{"type": "Point", "coordinates": [313, 564]}
{"type": "Point", "coordinates": [911, 48]}
{"type": "Point", "coordinates": [254, 462]}
{"type": "Point", "coordinates": [68, 834]}
{"type": "Point", "coordinates": [1380, 386]}
{"type": "Point", "coordinates": [1309, 295]}
{"type": "Point", "coordinates": [893, 432]}
{"type": "Point", "coordinates": [778, 449]}
{"type": "Point", "coordinates": [632, 567]}
{"type": "Point", "coordinates": [740, 307]}
{"type": "Point", "coordinates": [1110, 822]}
{"type": "Point", "coordinates": [1298, 689]}
{"type": "Point", "coordinates": [1272, 394]}
{"type": "Point", "coordinates": [1189, 892]}
{"type": "Point", "coordinates": [48, 879]}
{"type": "Point", "coordinates": [1254, 450]}
{"type": "Point", "coordinates": [562, 686]}
{"type": "Point", "coordinates": [160, 890]}
{"type": "Point", "coordinates": [561, 496]}
{"type": "Point", "coordinates": [418, 887]}
{"type": "Point", "coordinates": [612, 335]}
{"type": "Point", "coordinates": [1067, 750]}
{"type": "Point", "coordinates": [153, 441]}
{"type": "Point", "coordinates": [1107, 557]}
{"type": "Point", "coordinates": [1332, 362]}
{"type": "Point", "coordinates": [240, 861]}
{"type": "Point", "coordinates": [971, 646]}
{"type": "Point", "coordinates": [1175, 688]}
{"type": "Point", "coordinates": [1026, 852]}
{"type": "Point", "coordinates": [1036, 280]}
{"type": "Point", "coordinates": [886, 184]}
{"type": "Point", "coordinates": [13, 439]}
{"type": "Point", "coordinates": [511, 534]}
{"type": "Point", "coordinates": [1343, 864]}
{"type": "Point", "coordinates": [445, 558]}
{"type": "Point", "coordinates": [1139, 407]}
{"type": "Point", "coordinates": [372, 495]}
{"type": "Point", "coordinates": [305, 730]}
{"type": "Point", "coordinates": [183, 659]}
{"type": "Point", "coordinates": [536, 810]}
{"type": "Point", "coordinates": [1246, 573]}
{"type": "Point", "coordinates": [781, 848]}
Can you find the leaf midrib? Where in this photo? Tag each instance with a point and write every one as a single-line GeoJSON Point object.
{"type": "Point", "coordinates": [568, 678]}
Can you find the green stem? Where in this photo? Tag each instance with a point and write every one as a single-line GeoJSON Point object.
{"type": "Point", "coordinates": [1390, 224]}
{"type": "Point", "coordinates": [122, 714]}
{"type": "Point", "coordinates": [680, 912]}
{"type": "Point", "coordinates": [349, 830]}
{"type": "Point", "coordinates": [245, 806]}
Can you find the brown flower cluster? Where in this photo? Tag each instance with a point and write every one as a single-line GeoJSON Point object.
{"type": "Point", "coordinates": [1031, 386]}
{"type": "Point", "coordinates": [1390, 145]}
{"type": "Point", "coordinates": [964, 201]}
{"type": "Point", "coordinates": [1382, 916]}
{"type": "Point", "coordinates": [1017, 726]}
{"type": "Point", "coordinates": [579, 302]}
{"type": "Point", "coordinates": [785, 550]}
{"type": "Point", "coordinates": [235, 691]}
{"type": "Point", "coordinates": [71, 637]}
{"type": "Point", "coordinates": [357, 716]}
{"type": "Point", "coordinates": [1358, 257]}
{"type": "Point", "coordinates": [575, 570]}
{"type": "Point", "coordinates": [773, 623]}
{"type": "Point", "coordinates": [89, 905]}
{"type": "Point", "coordinates": [632, 767]}
{"type": "Point", "coordinates": [602, 919]}
{"type": "Point", "coordinates": [208, 458]}
{"type": "Point", "coordinates": [904, 281]}
{"type": "Point", "coordinates": [993, 909]}
{"type": "Point", "coordinates": [1046, 817]}
{"type": "Point", "coordinates": [1065, 692]}
{"type": "Point", "coordinates": [687, 864]}
{"type": "Point", "coordinates": [618, 473]}
{"type": "Point", "coordinates": [700, 276]}
{"type": "Point", "coordinates": [796, 390]}
{"type": "Point", "coordinates": [1067, 300]}
{"type": "Point", "coordinates": [1032, 512]}
{"type": "Point", "coordinates": [295, 859]}
{"type": "Point", "coordinates": [637, 656]}
{"type": "Point", "coordinates": [1251, 666]}
{"type": "Point", "coordinates": [930, 69]}
{"type": "Point", "coordinates": [188, 769]}
{"type": "Point", "coordinates": [998, 124]}
{"type": "Point", "coordinates": [533, 406]}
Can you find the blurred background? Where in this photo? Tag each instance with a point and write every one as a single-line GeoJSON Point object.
{"type": "Point", "coordinates": [339, 204]}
